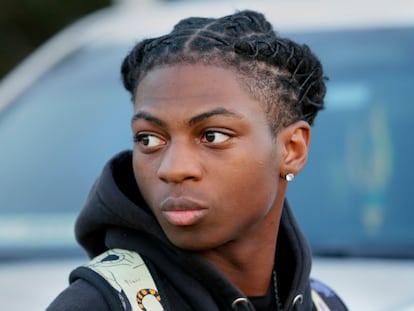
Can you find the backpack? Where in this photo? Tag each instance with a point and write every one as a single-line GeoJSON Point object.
{"type": "Point", "coordinates": [123, 278]}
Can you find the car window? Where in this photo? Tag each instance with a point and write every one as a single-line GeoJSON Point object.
{"type": "Point", "coordinates": [54, 140]}
{"type": "Point", "coordinates": [354, 197]}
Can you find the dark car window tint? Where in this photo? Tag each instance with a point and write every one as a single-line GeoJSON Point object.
{"type": "Point", "coordinates": [55, 140]}
{"type": "Point", "coordinates": [355, 196]}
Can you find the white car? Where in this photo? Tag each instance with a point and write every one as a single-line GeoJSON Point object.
{"type": "Point", "coordinates": [64, 113]}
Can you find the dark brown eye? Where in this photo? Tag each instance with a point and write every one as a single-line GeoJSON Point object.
{"type": "Point", "coordinates": [144, 140]}
{"type": "Point", "coordinates": [210, 136]}
{"type": "Point", "coordinates": [148, 140]}
{"type": "Point", "coordinates": [214, 137]}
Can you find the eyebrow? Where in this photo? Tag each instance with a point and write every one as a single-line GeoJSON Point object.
{"type": "Point", "coordinates": [148, 117]}
{"type": "Point", "coordinates": [194, 120]}
{"type": "Point", "coordinates": [211, 113]}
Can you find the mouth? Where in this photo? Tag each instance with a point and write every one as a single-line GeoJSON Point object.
{"type": "Point", "coordinates": [182, 211]}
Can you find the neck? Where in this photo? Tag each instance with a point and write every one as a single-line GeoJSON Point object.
{"type": "Point", "coordinates": [248, 260]}
{"type": "Point", "coordinates": [247, 264]}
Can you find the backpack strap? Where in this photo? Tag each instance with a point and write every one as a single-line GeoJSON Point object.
{"type": "Point", "coordinates": [127, 285]}
{"type": "Point", "coordinates": [324, 298]}
{"type": "Point", "coordinates": [124, 280]}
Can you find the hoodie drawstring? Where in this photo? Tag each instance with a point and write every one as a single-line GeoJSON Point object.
{"type": "Point", "coordinates": [242, 304]}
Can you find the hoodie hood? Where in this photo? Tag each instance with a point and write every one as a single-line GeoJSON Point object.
{"type": "Point", "coordinates": [114, 201]}
{"type": "Point", "coordinates": [115, 215]}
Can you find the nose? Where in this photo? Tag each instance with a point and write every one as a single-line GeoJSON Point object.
{"type": "Point", "coordinates": [180, 162]}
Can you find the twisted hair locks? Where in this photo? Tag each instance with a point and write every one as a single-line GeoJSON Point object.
{"type": "Point", "coordinates": [286, 77]}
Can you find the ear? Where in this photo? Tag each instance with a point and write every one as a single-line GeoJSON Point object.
{"type": "Point", "coordinates": [295, 140]}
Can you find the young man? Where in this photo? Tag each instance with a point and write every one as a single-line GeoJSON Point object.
{"type": "Point", "coordinates": [195, 217]}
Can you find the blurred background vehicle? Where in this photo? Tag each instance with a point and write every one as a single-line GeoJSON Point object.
{"type": "Point", "coordinates": [64, 113]}
{"type": "Point", "coordinates": [26, 24]}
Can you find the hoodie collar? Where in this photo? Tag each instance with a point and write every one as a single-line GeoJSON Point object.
{"type": "Point", "coordinates": [293, 263]}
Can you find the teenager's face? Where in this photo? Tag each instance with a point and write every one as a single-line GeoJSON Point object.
{"type": "Point", "coordinates": [204, 157]}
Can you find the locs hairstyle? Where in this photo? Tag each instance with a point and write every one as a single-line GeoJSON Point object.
{"type": "Point", "coordinates": [286, 77]}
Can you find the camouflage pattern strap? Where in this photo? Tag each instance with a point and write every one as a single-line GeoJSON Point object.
{"type": "Point", "coordinates": [128, 274]}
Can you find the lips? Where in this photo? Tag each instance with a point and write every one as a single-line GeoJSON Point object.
{"type": "Point", "coordinates": [183, 211]}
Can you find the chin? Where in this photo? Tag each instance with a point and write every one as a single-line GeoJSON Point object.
{"type": "Point", "coordinates": [191, 241]}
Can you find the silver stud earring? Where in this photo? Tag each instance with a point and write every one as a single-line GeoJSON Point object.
{"type": "Point", "coordinates": [289, 176]}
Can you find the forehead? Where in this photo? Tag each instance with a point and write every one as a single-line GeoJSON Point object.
{"type": "Point", "coordinates": [170, 77]}
{"type": "Point", "coordinates": [176, 94]}
{"type": "Point", "coordinates": [189, 85]}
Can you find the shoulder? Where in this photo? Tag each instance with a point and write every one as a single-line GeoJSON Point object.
{"type": "Point", "coordinates": [123, 279]}
{"type": "Point", "coordinates": [325, 298]}
{"type": "Point", "coordinates": [79, 296]}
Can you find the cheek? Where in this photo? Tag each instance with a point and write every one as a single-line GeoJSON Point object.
{"type": "Point", "coordinates": [253, 178]}
{"type": "Point", "coordinates": [260, 166]}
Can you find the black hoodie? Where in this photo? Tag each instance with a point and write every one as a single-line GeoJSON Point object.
{"type": "Point", "coordinates": [115, 216]}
